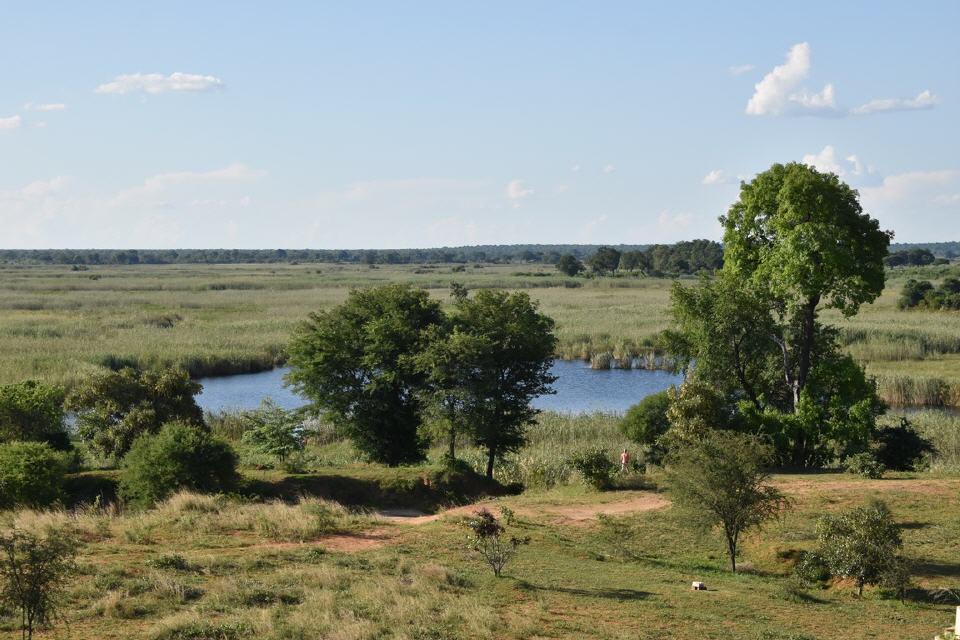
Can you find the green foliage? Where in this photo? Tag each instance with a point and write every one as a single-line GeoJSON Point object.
{"type": "Point", "coordinates": [357, 363]}
{"type": "Point", "coordinates": [569, 265]}
{"type": "Point", "coordinates": [114, 408]}
{"type": "Point", "coordinates": [496, 359]}
{"type": "Point", "coordinates": [695, 409]}
{"type": "Point", "coordinates": [901, 447]}
{"type": "Point", "coordinates": [273, 431]}
{"type": "Point", "coordinates": [490, 541]}
{"type": "Point", "coordinates": [862, 544]}
{"type": "Point", "coordinates": [910, 257]}
{"type": "Point", "coordinates": [864, 464]}
{"type": "Point", "coordinates": [921, 294]}
{"type": "Point", "coordinates": [31, 475]}
{"type": "Point", "coordinates": [33, 411]}
{"type": "Point", "coordinates": [33, 572]}
{"type": "Point", "coordinates": [595, 466]}
{"type": "Point", "coordinates": [646, 421]}
{"type": "Point", "coordinates": [722, 480]}
{"type": "Point", "coordinates": [180, 456]}
{"type": "Point", "coordinates": [605, 260]}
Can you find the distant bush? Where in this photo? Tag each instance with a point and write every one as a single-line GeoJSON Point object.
{"type": "Point", "coordinates": [646, 421]}
{"type": "Point", "coordinates": [180, 456]}
{"type": "Point", "coordinates": [864, 464]}
{"type": "Point", "coordinates": [31, 474]}
{"type": "Point", "coordinates": [922, 294]}
{"type": "Point", "coordinates": [595, 466]}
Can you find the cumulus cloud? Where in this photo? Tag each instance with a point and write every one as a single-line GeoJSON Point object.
{"type": "Point", "coordinates": [924, 100]}
{"type": "Point", "coordinates": [158, 185]}
{"type": "Point", "coordinates": [740, 69]}
{"type": "Point", "coordinates": [609, 168]}
{"type": "Point", "coordinates": [52, 106]}
{"type": "Point", "coordinates": [13, 122]}
{"type": "Point", "coordinates": [154, 83]}
{"type": "Point", "coordinates": [781, 91]}
{"type": "Point", "coordinates": [717, 176]}
{"type": "Point", "coordinates": [829, 160]}
{"type": "Point", "coordinates": [517, 190]}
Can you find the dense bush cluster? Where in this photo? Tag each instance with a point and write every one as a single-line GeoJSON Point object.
{"type": "Point", "coordinates": [910, 257]}
{"type": "Point", "coordinates": [692, 256]}
{"type": "Point", "coordinates": [922, 294]}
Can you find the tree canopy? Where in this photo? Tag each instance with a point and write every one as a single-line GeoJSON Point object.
{"type": "Point", "coordinates": [115, 407]}
{"type": "Point", "coordinates": [33, 411]}
{"type": "Point", "coordinates": [357, 363]}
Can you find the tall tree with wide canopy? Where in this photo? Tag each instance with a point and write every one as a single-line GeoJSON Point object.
{"type": "Point", "coordinates": [498, 353]}
{"type": "Point", "coordinates": [801, 237]}
{"type": "Point", "coordinates": [358, 363]}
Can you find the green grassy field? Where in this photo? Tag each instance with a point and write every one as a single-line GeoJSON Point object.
{"type": "Point", "coordinates": [58, 325]}
{"type": "Point", "coordinates": [216, 567]}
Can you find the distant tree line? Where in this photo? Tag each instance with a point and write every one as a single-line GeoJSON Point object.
{"type": "Point", "coordinates": [913, 258]}
{"type": "Point", "coordinates": [532, 253]}
{"type": "Point", "coordinates": [691, 256]}
{"type": "Point", "coordinates": [923, 295]}
{"type": "Point", "coordinates": [949, 250]}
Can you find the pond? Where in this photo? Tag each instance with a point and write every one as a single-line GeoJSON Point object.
{"type": "Point", "coordinates": [579, 389]}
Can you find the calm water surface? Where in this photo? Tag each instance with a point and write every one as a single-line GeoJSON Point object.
{"type": "Point", "coordinates": [579, 389]}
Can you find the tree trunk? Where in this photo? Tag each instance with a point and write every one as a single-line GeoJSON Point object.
{"type": "Point", "coordinates": [807, 328]}
{"type": "Point", "coordinates": [491, 456]}
{"type": "Point", "coordinates": [732, 550]}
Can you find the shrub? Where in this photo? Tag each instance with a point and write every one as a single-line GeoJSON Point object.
{"type": "Point", "coordinates": [595, 466]}
{"type": "Point", "coordinates": [31, 474]}
{"type": "Point", "coordinates": [862, 544]}
{"type": "Point", "coordinates": [901, 447]}
{"type": "Point", "coordinates": [180, 456]}
{"type": "Point", "coordinates": [33, 570]}
{"type": "Point", "coordinates": [491, 542]}
{"type": "Point", "coordinates": [646, 421]}
{"type": "Point", "coordinates": [864, 464]}
{"type": "Point", "coordinates": [273, 431]}
{"type": "Point", "coordinates": [33, 411]}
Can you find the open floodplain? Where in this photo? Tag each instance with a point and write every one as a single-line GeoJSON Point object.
{"type": "Point", "coordinates": [333, 547]}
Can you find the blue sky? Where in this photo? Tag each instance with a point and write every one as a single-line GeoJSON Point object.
{"type": "Point", "coordinates": [363, 124]}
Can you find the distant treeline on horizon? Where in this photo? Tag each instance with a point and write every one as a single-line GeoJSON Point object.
{"type": "Point", "coordinates": [504, 254]}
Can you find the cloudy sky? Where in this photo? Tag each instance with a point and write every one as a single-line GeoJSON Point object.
{"type": "Point", "coordinates": [364, 124]}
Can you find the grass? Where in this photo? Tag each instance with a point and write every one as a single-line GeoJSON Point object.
{"type": "Point", "coordinates": [58, 325]}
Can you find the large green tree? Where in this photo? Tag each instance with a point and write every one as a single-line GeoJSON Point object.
{"type": "Point", "coordinates": [795, 242]}
{"type": "Point", "coordinates": [800, 237]}
{"type": "Point", "coordinates": [114, 408]}
{"type": "Point", "coordinates": [33, 411]}
{"type": "Point", "coordinates": [358, 363]}
{"type": "Point", "coordinates": [495, 360]}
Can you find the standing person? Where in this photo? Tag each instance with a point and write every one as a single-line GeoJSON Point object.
{"type": "Point", "coordinates": [624, 461]}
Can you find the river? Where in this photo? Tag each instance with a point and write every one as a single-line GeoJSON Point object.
{"type": "Point", "coordinates": [579, 389]}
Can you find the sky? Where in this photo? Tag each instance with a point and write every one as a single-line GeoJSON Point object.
{"type": "Point", "coordinates": [421, 124]}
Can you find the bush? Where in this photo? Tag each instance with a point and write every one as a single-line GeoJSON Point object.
{"type": "Point", "coordinates": [180, 456]}
{"type": "Point", "coordinates": [864, 464]}
{"type": "Point", "coordinates": [491, 542]}
{"type": "Point", "coordinates": [646, 421]}
{"type": "Point", "coordinates": [901, 447]}
{"type": "Point", "coordinates": [31, 474]}
{"type": "Point", "coordinates": [33, 411]}
{"type": "Point", "coordinates": [863, 544]}
{"type": "Point", "coordinates": [595, 466]}
{"type": "Point", "coordinates": [33, 571]}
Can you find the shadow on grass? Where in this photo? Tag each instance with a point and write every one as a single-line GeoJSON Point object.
{"type": "Point", "coordinates": [622, 595]}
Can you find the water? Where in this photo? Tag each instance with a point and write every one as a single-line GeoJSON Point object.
{"type": "Point", "coordinates": [579, 389]}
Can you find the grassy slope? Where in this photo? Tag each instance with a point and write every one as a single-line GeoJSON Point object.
{"type": "Point", "coordinates": [57, 324]}
{"type": "Point", "coordinates": [245, 580]}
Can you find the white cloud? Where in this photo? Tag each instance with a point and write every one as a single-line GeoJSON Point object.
{"type": "Point", "coordinates": [13, 122]}
{"type": "Point", "coordinates": [668, 220]}
{"type": "Point", "coordinates": [829, 160]}
{"type": "Point", "coordinates": [740, 69]}
{"type": "Point", "coordinates": [516, 191]}
{"type": "Point", "coordinates": [717, 176]}
{"type": "Point", "coordinates": [780, 91]}
{"type": "Point", "coordinates": [575, 168]}
{"type": "Point", "coordinates": [901, 186]}
{"type": "Point", "coordinates": [154, 83]}
{"type": "Point", "coordinates": [53, 106]}
{"type": "Point", "coordinates": [924, 100]}
{"type": "Point", "coordinates": [609, 168]}
{"type": "Point", "coordinates": [155, 189]}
